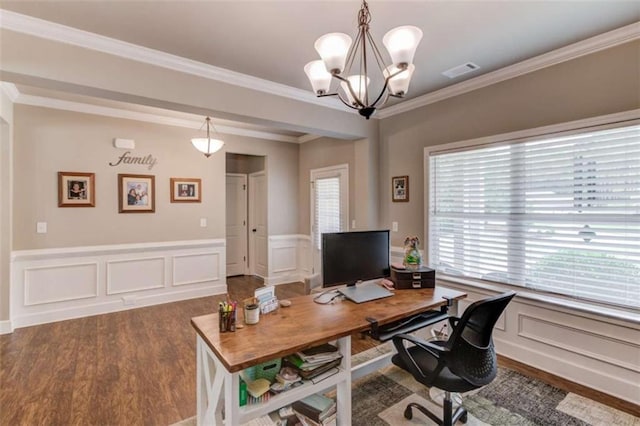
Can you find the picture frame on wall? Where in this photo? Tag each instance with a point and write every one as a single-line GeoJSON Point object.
{"type": "Point", "coordinates": [76, 189]}
{"type": "Point", "coordinates": [186, 190]}
{"type": "Point", "coordinates": [400, 189]}
{"type": "Point", "coordinates": [136, 193]}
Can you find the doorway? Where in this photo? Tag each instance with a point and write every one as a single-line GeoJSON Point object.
{"type": "Point", "coordinates": [246, 215]}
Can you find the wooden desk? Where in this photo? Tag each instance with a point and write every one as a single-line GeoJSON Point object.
{"type": "Point", "coordinates": [288, 330]}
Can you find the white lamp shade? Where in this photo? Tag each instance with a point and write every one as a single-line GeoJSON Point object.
{"type": "Point", "coordinates": [399, 84]}
{"type": "Point", "coordinates": [318, 76]}
{"type": "Point", "coordinates": [333, 49]}
{"type": "Point", "coordinates": [206, 145]}
{"type": "Point", "coordinates": [359, 85]}
{"type": "Point", "coordinates": [402, 42]}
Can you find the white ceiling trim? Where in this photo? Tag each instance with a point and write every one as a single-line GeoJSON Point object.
{"type": "Point", "coordinates": [60, 104]}
{"type": "Point", "coordinates": [591, 45]}
{"type": "Point", "coordinates": [64, 34]}
{"type": "Point", "coordinates": [11, 90]}
{"type": "Point", "coordinates": [52, 31]}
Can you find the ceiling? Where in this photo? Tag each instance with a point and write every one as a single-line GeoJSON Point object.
{"type": "Point", "coordinates": [273, 40]}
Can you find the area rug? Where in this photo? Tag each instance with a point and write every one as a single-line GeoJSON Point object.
{"type": "Point", "coordinates": [379, 399]}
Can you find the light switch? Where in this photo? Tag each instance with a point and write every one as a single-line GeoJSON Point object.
{"type": "Point", "coordinates": [353, 224]}
{"type": "Point", "coordinates": [394, 226]}
{"type": "Point", "coordinates": [203, 222]}
{"type": "Point", "coordinates": [41, 227]}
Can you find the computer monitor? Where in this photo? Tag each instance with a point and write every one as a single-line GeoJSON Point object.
{"type": "Point", "coordinates": [348, 257]}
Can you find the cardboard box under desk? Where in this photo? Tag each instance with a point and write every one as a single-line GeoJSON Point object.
{"type": "Point", "coordinates": [422, 277]}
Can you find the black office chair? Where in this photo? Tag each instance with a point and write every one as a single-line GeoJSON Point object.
{"type": "Point", "coordinates": [466, 361]}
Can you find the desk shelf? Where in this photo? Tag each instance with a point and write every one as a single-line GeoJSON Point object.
{"type": "Point", "coordinates": [283, 399]}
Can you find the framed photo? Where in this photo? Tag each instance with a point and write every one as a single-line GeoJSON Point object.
{"type": "Point", "coordinates": [186, 190]}
{"type": "Point", "coordinates": [136, 193]}
{"type": "Point", "coordinates": [76, 189]}
{"type": "Point", "coordinates": [400, 188]}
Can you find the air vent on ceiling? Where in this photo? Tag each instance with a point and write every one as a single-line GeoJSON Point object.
{"type": "Point", "coordinates": [461, 69]}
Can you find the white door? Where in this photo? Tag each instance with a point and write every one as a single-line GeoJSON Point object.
{"type": "Point", "coordinates": [236, 232]}
{"type": "Point", "coordinates": [329, 206]}
{"type": "Point", "coordinates": [258, 259]}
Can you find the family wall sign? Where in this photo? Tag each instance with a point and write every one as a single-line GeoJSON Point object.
{"type": "Point", "coordinates": [127, 158]}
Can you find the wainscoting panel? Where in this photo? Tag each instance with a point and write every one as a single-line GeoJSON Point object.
{"type": "Point", "coordinates": [57, 284]}
{"type": "Point", "coordinates": [126, 276]}
{"type": "Point", "coordinates": [196, 268]}
{"type": "Point", "coordinates": [60, 283]}
{"type": "Point", "coordinates": [597, 351]}
{"type": "Point", "coordinates": [288, 258]}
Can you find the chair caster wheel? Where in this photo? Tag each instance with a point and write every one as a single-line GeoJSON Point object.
{"type": "Point", "coordinates": [463, 418]}
{"type": "Point", "coordinates": [408, 414]}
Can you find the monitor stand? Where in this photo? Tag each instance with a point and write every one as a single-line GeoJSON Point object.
{"type": "Point", "coordinates": [360, 293]}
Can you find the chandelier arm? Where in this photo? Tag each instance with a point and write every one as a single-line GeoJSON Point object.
{"type": "Point", "coordinates": [351, 55]}
{"type": "Point", "coordinates": [347, 103]}
{"type": "Point", "coordinates": [376, 52]}
{"type": "Point", "coordinates": [355, 97]}
{"type": "Point", "coordinates": [337, 94]}
{"type": "Point", "coordinates": [382, 93]}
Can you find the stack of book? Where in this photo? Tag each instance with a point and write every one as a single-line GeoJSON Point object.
{"type": "Point", "coordinates": [315, 410]}
{"type": "Point", "coordinates": [313, 362]}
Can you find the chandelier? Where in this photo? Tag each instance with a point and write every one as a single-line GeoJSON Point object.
{"type": "Point", "coordinates": [348, 63]}
{"type": "Point", "coordinates": [207, 145]}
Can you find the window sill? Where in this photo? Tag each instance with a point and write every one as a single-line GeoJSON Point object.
{"type": "Point", "coordinates": [547, 300]}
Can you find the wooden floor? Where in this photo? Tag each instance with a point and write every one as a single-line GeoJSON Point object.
{"type": "Point", "coordinates": [136, 367]}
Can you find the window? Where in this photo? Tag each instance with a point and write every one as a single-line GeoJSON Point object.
{"type": "Point", "coordinates": [329, 201]}
{"type": "Point", "coordinates": [558, 213]}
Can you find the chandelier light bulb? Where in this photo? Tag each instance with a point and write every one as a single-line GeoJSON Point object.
{"type": "Point", "coordinates": [333, 49]}
{"type": "Point", "coordinates": [401, 43]}
{"type": "Point", "coordinates": [318, 76]}
{"type": "Point", "coordinates": [399, 83]}
{"type": "Point", "coordinates": [359, 85]}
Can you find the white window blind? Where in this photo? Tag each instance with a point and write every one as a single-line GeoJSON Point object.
{"type": "Point", "coordinates": [556, 214]}
{"type": "Point", "coordinates": [327, 215]}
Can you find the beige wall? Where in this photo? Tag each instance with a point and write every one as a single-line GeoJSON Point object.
{"type": "Point", "coordinates": [601, 83]}
{"type": "Point", "coordinates": [6, 129]}
{"type": "Point", "coordinates": [324, 152]}
{"type": "Point", "coordinates": [244, 164]}
{"type": "Point", "coordinates": [48, 141]}
{"type": "Point", "coordinates": [281, 165]}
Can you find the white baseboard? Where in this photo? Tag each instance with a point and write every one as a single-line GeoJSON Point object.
{"type": "Point", "coordinates": [6, 327]}
{"type": "Point", "coordinates": [114, 306]}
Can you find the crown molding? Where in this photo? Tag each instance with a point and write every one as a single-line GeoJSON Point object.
{"type": "Point", "coordinates": [41, 101]}
{"type": "Point", "coordinates": [308, 138]}
{"type": "Point", "coordinates": [585, 47]}
{"type": "Point", "coordinates": [52, 31]}
{"type": "Point", "coordinates": [10, 90]}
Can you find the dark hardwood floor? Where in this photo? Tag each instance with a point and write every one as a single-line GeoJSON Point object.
{"type": "Point", "coordinates": [136, 367]}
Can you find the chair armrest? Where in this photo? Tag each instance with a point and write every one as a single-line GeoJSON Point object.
{"type": "Point", "coordinates": [435, 350]}
{"type": "Point", "coordinates": [410, 363]}
{"type": "Point", "coordinates": [453, 321]}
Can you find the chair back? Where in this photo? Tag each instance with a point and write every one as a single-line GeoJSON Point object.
{"type": "Point", "coordinates": [472, 355]}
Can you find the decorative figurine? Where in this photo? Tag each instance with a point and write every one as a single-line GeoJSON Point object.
{"type": "Point", "coordinates": [412, 257]}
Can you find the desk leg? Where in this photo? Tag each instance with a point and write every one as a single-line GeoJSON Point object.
{"type": "Point", "coordinates": [209, 395]}
{"type": "Point", "coordinates": [344, 387]}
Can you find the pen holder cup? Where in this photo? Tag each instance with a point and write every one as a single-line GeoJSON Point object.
{"type": "Point", "coordinates": [251, 313]}
{"type": "Point", "coordinates": [227, 321]}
